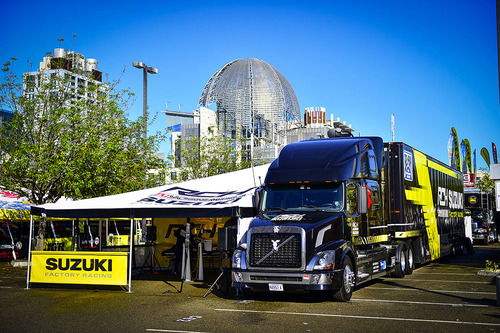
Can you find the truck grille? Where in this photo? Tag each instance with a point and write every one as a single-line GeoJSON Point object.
{"type": "Point", "coordinates": [264, 254]}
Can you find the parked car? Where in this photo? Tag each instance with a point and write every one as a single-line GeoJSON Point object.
{"type": "Point", "coordinates": [483, 228]}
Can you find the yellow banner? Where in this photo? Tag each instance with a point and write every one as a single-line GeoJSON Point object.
{"type": "Point", "coordinates": [71, 267]}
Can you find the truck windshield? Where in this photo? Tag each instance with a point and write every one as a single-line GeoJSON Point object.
{"type": "Point", "coordinates": [477, 215]}
{"type": "Point", "coordinates": [303, 197]}
{"type": "Point", "coordinates": [480, 217]}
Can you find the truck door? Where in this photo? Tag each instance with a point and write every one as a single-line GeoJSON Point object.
{"type": "Point", "coordinates": [375, 220]}
{"type": "Point", "coordinates": [352, 216]}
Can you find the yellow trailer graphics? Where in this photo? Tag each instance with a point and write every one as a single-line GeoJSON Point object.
{"type": "Point", "coordinates": [423, 196]}
{"type": "Point", "coordinates": [431, 203]}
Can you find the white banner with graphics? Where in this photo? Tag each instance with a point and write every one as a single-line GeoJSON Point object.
{"type": "Point", "coordinates": [184, 197]}
{"type": "Point", "coordinates": [233, 189]}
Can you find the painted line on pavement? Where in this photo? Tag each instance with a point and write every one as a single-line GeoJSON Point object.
{"type": "Point", "coordinates": [454, 281]}
{"type": "Point", "coordinates": [448, 268]}
{"type": "Point", "coordinates": [439, 291]}
{"type": "Point", "coordinates": [4, 287]}
{"type": "Point", "coordinates": [450, 273]}
{"type": "Point", "coordinates": [434, 321]}
{"type": "Point", "coordinates": [421, 303]}
{"type": "Point", "coordinates": [171, 331]}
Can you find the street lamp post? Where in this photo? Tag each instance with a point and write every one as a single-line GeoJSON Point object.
{"type": "Point", "coordinates": [145, 71]}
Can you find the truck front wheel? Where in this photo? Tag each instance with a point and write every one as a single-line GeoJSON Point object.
{"type": "Point", "coordinates": [347, 283]}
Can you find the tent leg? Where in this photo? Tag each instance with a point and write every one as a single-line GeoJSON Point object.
{"type": "Point", "coordinates": [183, 262]}
{"type": "Point", "coordinates": [200, 262]}
{"type": "Point", "coordinates": [188, 266]}
{"type": "Point", "coordinates": [187, 250]}
{"type": "Point", "coordinates": [131, 241]}
{"type": "Point", "coordinates": [107, 233]}
{"type": "Point", "coordinates": [12, 242]}
{"type": "Point", "coordinates": [73, 239]}
{"type": "Point", "coordinates": [29, 254]}
{"type": "Point", "coordinates": [214, 284]}
{"type": "Point", "coordinates": [100, 235]}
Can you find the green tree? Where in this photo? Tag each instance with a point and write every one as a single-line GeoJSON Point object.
{"type": "Point", "coordinates": [485, 183]}
{"type": "Point", "coordinates": [76, 143]}
{"type": "Point", "coordinates": [208, 156]}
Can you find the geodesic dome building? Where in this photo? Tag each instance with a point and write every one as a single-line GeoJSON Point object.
{"type": "Point", "coordinates": [251, 94]}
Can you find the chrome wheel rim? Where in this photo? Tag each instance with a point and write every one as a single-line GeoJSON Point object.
{"type": "Point", "coordinates": [402, 260]}
{"type": "Point", "coordinates": [348, 278]}
{"type": "Point", "coordinates": [410, 258]}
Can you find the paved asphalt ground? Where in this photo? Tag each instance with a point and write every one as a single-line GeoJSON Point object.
{"type": "Point", "coordinates": [443, 296]}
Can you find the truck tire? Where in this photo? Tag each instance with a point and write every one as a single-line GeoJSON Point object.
{"type": "Point", "coordinates": [400, 268]}
{"type": "Point", "coordinates": [346, 284]}
{"type": "Point", "coordinates": [410, 259]}
{"type": "Point", "coordinates": [419, 245]}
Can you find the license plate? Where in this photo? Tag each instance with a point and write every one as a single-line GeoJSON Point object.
{"type": "Point", "coordinates": [275, 287]}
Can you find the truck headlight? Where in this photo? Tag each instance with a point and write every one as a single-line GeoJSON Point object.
{"type": "Point", "coordinates": [237, 259]}
{"type": "Point", "coordinates": [326, 260]}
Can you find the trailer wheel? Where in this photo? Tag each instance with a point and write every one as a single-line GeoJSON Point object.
{"type": "Point", "coordinates": [421, 258]}
{"type": "Point", "coordinates": [347, 283]}
{"type": "Point", "coordinates": [410, 262]}
{"type": "Point", "coordinates": [400, 268]}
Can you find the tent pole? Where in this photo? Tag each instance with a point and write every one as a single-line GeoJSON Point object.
{"type": "Point", "coordinates": [187, 250]}
{"type": "Point", "coordinates": [107, 232]}
{"type": "Point", "coordinates": [77, 235]}
{"type": "Point", "coordinates": [200, 262]}
{"type": "Point", "coordinates": [183, 262]}
{"type": "Point", "coordinates": [100, 235]}
{"type": "Point", "coordinates": [29, 255]}
{"type": "Point", "coordinates": [73, 240]}
{"type": "Point", "coordinates": [130, 256]}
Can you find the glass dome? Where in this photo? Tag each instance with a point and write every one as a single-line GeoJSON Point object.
{"type": "Point", "coordinates": [250, 93]}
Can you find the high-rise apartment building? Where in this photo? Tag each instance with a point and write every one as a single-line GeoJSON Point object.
{"type": "Point", "coordinates": [78, 74]}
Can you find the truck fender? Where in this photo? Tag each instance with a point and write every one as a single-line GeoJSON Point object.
{"type": "Point", "coordinates": [342, 249]}
{"type": "Point", "coordinates": [345, 251]}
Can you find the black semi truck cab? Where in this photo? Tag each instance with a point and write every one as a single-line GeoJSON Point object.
{"type": "Point", "coordinates": [334, 213]}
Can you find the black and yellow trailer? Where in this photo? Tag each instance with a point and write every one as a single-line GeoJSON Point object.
{"type": "Point", "coordinates": [336, 213]}
{"type": "Point", "coordinates": [425, 206]}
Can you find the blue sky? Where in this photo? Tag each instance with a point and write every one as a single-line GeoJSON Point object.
{"type": "Point", "coordinates": [431, 63]}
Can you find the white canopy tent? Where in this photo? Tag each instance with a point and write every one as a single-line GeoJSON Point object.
{"type": "Point", "coordinates": [228, 194]}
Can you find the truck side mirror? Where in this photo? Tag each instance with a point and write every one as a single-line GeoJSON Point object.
{"type": "Point", "coordinates": [256, 199]}
{"type": "Point", "coordinates": [362, 200]}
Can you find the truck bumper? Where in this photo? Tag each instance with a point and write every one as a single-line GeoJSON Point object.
{"type": "Point", "coordinates": [479, 236]}
{"type": "Point", "coordinates": [260, 280]}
